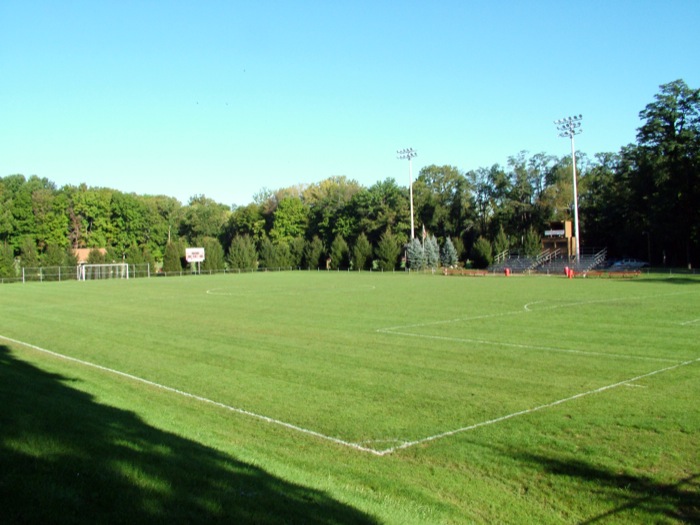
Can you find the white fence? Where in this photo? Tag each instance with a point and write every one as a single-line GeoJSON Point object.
{"type": "Point", "coordinates": [69, 273]}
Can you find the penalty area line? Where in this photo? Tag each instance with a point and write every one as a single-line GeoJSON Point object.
{"type": "Point", "coordinates": [522, 346]}
{"type": "Point", "coordinates": [201, 399]}
{"type": "Point", "coordinates": [626, 382]}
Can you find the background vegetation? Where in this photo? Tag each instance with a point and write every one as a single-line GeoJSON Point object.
{"type": "Point", "coordinates": [642, 201]}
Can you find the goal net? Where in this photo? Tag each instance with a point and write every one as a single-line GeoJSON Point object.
{"type": "Point", "coordinates": [87, 272]}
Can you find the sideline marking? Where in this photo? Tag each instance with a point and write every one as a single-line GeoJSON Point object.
{"type": "Point", "coordinates": [338, 441]}
{"type": "Point", "coordinates": [196, 397]}
{"type": "Point", "coordinates": [690, 322]}
{"type": "Point", "coordinates": [529, 347]}
{"type": "Point", "coordinates": [531, 410]}
{"type": "Point", "coordinates": [526, 309]}
{"type": "Point", "coordinates": [398, 330]}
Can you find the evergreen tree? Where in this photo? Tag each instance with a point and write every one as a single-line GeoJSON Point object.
{"type": "Point", "coordinates": [283, 255]}
{"type": "Point", "coordinates": [416, 255]}
{"type": "Point", "coordinates": [532, 243]}
{"type": "Point", "coordinates": [340, 253]}
{"type": "Point", "coordinates": [96, 257]}
{"type": "Point", "coordinates": [666, 187]}
{"type": "Point", "coordinates": [29, 258]}
{"type": "Point", "coordinates": [134, 255]}
{"type": "Point", "coordinates": [214, 254]}
{"type": "Point", "coordinates": [267, 253]}
{"type": "Point", "coordinates": [432, 252]}
{"type": "Point", "coordinates": [388, 251]}
{"type": "Point", "coordinates": [313, 251]}
{"type": "Point", "coordinates": [53, 256]}
{"type": "Point", "coordinates": [361, 252]}
{"type": "Point", "coordinates": [70, 258]}
{"type": "Point", "coordinates": [296, 251]}
{"type": "Point", "coordinates": [449, 254]}
{"type": "Point", "coordinates": [242, 254]}
{"type": "Point", "coordinates": [7, 261]}
{"type": "Point", "coordinates": [172, 261]}
{"type": "Point", "coordinates": [482, 253]}
{"type": "Point", "coordinates": [500, 243]}
{"type": "Point", "coordinates": [459, 248]}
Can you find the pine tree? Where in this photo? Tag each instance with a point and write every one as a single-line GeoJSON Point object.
{"type": "Point", "coordinates": [171, 258]}
{"type": "Point", "coordinates": [340, 253]}
{"type": "Point", "coordinates": [500, 243]}
{"type": "Point", "coordinates": [53, 256]}
{"type": "Point", "coordinates": [242, 254]}
{"type": "Point", "coordinates": [313, 250]}
{"type": "Point", "coordinates": [532, 243]}
{"type": "Point", "coordinates": [7, 261]}
{"type": "Point", "coordinates": [388, 251]}
{"type": "Point", "coordinates": [361, 252]}
{"type": "Point", "coordinates": [28, 255]}
{"type": "Point", "coordinates": [482, 253]}
{"type": "Point", "coordinates": [432, 252]}
{"type": "Point", "coordinates": [449, 254]}
{"type": "Point", "coordinates": [416, 255]}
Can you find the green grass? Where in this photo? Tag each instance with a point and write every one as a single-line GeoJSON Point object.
{"type": "Point", "coordinates": [368, 398]}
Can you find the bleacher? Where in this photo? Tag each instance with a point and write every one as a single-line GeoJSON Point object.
{"type": "Point", "coordinates": [557, 248]}
{"type": "Point", "coordinates": [548, 262]}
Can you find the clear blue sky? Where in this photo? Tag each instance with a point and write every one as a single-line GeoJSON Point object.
{"type": "Point", "coordinates": [224, 98]}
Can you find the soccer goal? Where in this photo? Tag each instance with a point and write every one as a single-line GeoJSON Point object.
{"type": "Point", "coordinates": [87, 272]}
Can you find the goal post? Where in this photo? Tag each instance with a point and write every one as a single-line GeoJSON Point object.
{"type": "Point", "coordinates": [89, 272]}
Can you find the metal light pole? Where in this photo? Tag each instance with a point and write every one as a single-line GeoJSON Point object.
{"type": "Point", "coordinates": [568, 127]}
{"type": "Point", "coordinates": [409, 153]}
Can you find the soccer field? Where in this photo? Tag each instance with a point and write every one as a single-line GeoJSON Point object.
{"type": "Point", "coordinates": [390, 365]}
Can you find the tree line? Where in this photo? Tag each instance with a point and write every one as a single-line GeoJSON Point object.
{"type": "Point", "coordinates": [642, 201]}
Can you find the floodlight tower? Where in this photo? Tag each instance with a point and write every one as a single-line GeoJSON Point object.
{"type": "Point", "coordinates": [568, 127]}
{"type": "Point", "coordinates": [409, 153]}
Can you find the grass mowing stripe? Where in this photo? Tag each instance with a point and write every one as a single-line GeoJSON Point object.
{"type": "Point", "coordinates": [303, 347]}
{"type": "Point", "coordinates": [527, 309]}
{"type": "Point", "coordinates": [526, 347]}
{"type": "Point", "coordinates": [626, 382]}
{"type": "Point", "coordinates": [338, 441]}
{"type": "Point", "coordinates": [194, 396]}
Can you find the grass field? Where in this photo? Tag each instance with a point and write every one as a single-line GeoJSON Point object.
{"type": "Point", "coordinates": [328, 397]}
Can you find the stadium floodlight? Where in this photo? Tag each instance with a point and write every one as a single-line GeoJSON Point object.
{"type": "Point", "coordinates": [568, 127]}
{"type": "Point", "coordinates": [403, 154]}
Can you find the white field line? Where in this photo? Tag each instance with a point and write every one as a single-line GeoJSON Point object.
{"type": "Point", "coordinates": [408, 444]}
{"type": "Point", "coordinates": [358, 446]}
{"type": "Point", "coordinates": [198, 398]}
{"type": "Point", "coordinates": [690, 322]}
{"type": "Point", "coordinates": [526, 308]}
{"type": "Point", "coordinates": [399, 330]}
{"type": "Point", "coordinates": [528, 347]}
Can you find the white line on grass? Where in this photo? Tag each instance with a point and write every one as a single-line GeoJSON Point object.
{"type": "Point", "coordinates": [349, 444]}
{"type": "Point", "coordinates": [527, 347]}
{"type": "Point", "coordinates": [398, 330]}
{"type": "Point", "coordinates": [198, 398]}
{"type": "Point", "coordinates": [526, 309]}
{"type": "Point", "coordinates": [690, 322]}
{"type": "Point", "coordinates": [408, 444]}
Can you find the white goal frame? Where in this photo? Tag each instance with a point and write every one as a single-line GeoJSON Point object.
{"type": "Point", "coordinates": [89, 272]}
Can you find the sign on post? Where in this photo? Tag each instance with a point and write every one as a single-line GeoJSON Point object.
{"type": "Point", "coordinates": [194, 254]}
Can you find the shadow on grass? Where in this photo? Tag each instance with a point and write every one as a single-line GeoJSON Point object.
{"type": "Point", "coordinates": [667, 278]}
{"type": "Point", "coordinates": [66, 459]}
{"type": "Point", "coordinates": [640, 495]}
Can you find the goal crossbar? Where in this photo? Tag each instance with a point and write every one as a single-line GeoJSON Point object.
{"type": "Point", "coordinates": [103, 271]}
